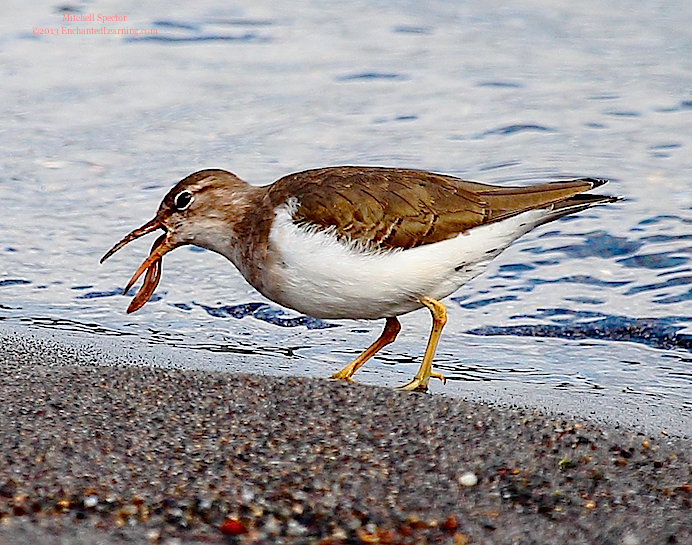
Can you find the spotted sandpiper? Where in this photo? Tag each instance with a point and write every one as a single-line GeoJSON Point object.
{"type": "Point", "coordinates": [354, 242]}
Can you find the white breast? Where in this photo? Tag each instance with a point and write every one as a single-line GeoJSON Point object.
{"type": "Point", "coordinates": [316, 274]}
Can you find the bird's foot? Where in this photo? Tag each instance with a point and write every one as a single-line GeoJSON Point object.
{"type": "Point", "coordinates": [420, 384]}
{"type": "Point", "coordinates": [342, 375]}
{"type": "Point", "coordinates": [416, 385]}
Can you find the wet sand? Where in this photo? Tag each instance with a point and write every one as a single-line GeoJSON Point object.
{"type": "Point", "coordinates": [94, 454]}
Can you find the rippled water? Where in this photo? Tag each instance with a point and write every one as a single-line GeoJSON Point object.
{"type": "Point", "coordinates": [591, 313]}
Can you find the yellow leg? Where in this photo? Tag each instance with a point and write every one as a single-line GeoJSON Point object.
{"type": "Point", "coordinates": [391, 330]}
{"type": "Point", "coordinates": [439, 316]}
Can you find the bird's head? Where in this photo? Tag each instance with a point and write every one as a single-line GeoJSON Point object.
{"type": "Point", "coordinates": [199, 210]}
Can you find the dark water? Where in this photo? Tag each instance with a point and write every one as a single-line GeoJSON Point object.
{"type": "Point", "coordinates": [589, 314]}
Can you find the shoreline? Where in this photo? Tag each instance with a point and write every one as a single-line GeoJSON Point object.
{"type": "Point", "coordinates": [94, 454]}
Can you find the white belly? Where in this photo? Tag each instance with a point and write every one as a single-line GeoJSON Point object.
{"type": "Point", "coordinates": [316, 274]}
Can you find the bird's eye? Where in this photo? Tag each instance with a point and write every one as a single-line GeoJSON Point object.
{"type": "Point", "coordinates": [182, 200]}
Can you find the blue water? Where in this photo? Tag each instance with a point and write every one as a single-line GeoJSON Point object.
{"type": "Point", "coordinates": [590, 314]}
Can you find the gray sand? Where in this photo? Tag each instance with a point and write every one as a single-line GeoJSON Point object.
{"type": "Point", "coordinates": [92, 454]}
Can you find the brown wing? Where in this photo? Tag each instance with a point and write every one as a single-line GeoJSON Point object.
{"type": "Point", "coordinates": [399, 208]}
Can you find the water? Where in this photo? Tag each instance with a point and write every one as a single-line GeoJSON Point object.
{"type": "Point", "coordinates": [588, 315]}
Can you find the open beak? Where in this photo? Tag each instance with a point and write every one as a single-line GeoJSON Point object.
{"type": "Point", "coordinates": [152, 264]}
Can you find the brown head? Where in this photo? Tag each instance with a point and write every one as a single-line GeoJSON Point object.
{"type": "Point", "coordinates": [196, 211]}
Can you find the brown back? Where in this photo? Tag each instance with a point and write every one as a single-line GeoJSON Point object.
{"type": "Point", "coordinates": [403, 208]}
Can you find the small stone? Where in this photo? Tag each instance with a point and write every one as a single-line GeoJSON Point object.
{"type": "Point", "coordinates": [232, 527]}
{"type": "Point", "coordinates": [272, 526]}
{"type": "Point", "coordinates": [129, 510]}
{"type": "Point", "coordinates": [386, 536]}
{"type": "Point", "coordinates": [297, 508]}
{"type": "Point", "coordinates": [468, 479]}
{"type": "Point", "coordinates": [91, 501]}
{"type": "Point", "coordinates": [460, 539]}
{"type": "Point", "coordinates": [367, 537]}
{"type": "Point", "coordinates": [450, 524]}
{"type": "Point", "coordinates": [294, 528]}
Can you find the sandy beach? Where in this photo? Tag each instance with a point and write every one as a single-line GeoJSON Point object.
{"type": "Point", "coordinates": [110, 455]}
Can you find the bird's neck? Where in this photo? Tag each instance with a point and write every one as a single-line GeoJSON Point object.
{"type": "Point", "coordinates": [238, 228]}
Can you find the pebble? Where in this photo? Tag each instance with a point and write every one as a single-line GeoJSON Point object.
{"type": "Point", "coordinates": [468, 479]}
{"type": "Point", "coordinates": [630, 539]}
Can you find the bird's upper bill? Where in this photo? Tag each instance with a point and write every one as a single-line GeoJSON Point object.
{"type": "Point", "coordinates": [152, 264]}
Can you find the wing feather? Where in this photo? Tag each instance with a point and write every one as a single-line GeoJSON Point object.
{"type": "Point", "coordinates": [402, 208]}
